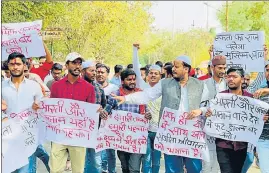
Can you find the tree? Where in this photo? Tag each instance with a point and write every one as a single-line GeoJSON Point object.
{"type": "Point", "coordinates": [246, 16]}
{"type": "Point", "coordinates": [104, 31]}
{"type": "Point", "coordinates": [161, 46]}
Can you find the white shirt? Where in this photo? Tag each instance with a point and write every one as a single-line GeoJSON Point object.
{"type": "Point", "coordinates": [150, 94]}
{"type": "Point", "coordinates": [23, 98]}
{"type": "Point", "coordinates": [110, 88]}
{"type": "Point", "coordinates": [221, 86]}
{"type": "Point", "coordinates": [48, 78]}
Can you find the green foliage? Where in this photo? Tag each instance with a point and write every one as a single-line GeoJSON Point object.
{"type": "Point", "coordinates": [161, 46]}
{"type": "Point", "coordinates": [246, 16]}
{"type": "Point", "coordinates": [104, 31]}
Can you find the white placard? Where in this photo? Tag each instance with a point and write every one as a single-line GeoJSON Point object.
{"type": "Point", "coordinates": [124, 131]}
{"type": "Point", "coordinates": [244, 49]}
{"type": "Point", "coordinates": [23, 38]}
{"type": "Point", "coordinates": [178, 136]}
{"type": "Point", "coordinates": [236, 118]}
{"type": "Point", "coordinates": [70, 122]}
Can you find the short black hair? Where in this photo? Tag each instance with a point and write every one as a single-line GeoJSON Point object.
{"type": "Point", "coordinates": [130, 66]}
{"type": "Point", "coordinates": [187, 65]}
{"type": "Point", "coordinates": [16, 55]}
{"type": "Point", "coordinates": [97, 64]}
{"type": "Point", "coordinates": [56, 66]}
{"type": "Point", "coordinates": [4, 65]}
{"type": "Point", "coordinates": [125, 73]}
{"type": "Point", "coordinates": [239, 70]}
{"type": "Point", "coordinates": [28, 65]}
{"type": "Point", "coordinates": [168, 63]}
{"type": "Point", "coordinates": [42, 57]}
{"type": "Point", "coordinates": [143, 68]}
{"type": "Point", "coordinates": [168, 69]}
{"type": "Point", "coordinates": [103, 66]}
{"type": "Point", "coordinates": [118, 68]}
{"type": "Point", "coordinates": [159, 63]}
{"type": "Point", "coordinates": [147, 68]}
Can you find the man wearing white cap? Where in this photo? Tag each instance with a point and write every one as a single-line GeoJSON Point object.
{"type": "Point", "coordinates": [182, 93]}
{"type": "Point", "coordinates": [93, 159]}
{"type": "Point", "coordinates": [75, 88]}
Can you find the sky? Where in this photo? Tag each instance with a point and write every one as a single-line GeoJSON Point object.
{"type": "Point", "coordinates": [185, 14]}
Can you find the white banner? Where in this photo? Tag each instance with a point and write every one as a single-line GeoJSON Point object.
{"type": "Point", "coordinates": [236, 118]}
{"type": "Point", "coordinates": [23, 38]}
{"type": "Point", "coordinates": [178, 136]}
{"type": "Point", "coordinates": [244, 49]}
{"type": "Point", "coordinates": [19, 139]}
{"type": "Point", "coordinates": [124, 131]}
{"type": "Point", "coordinates": [70, 122]}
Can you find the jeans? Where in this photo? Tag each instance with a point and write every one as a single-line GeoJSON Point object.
{"type": "Point", "coordinates": [231, 161]}
{"type": "Point", "coordinates": [248, 162]}
{"type": "Point", "coordinates": [93, 161]}
{"type": "Point", "coordinates": [29, 168]}
{"type": "Point", "coordinates": [111, 160]}
{"type": "Point", "coordinates": [263, 154]}
{"type": "Point", "coordinates": [151, 160]}
{"type": "Point", "coordinates": [104, 160]}
{"type": "Point", "coordinates": [43, 156]}
{"type": "Point", "coordinates": [130, 162]}
{"type": "Point", "coordinates": [212, 166]}
{"type": "Point", "coordinates": [175, 164]}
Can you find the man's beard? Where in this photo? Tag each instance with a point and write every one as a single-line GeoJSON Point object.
{"type": "Point", "coordinates": [233, 88]}
{"type": "Point", "coordinates": [72, 73]}
{"type": "Point", "coordinates": [87, 79]}
{"type": "Point", "coordinates": [127, 87]}
{"type": "Point", "coordinates": [244, 85]}
{"type": "Point", "coordinates": [16, 75]}
{"type": "Point", "coordinates": [177, 79]}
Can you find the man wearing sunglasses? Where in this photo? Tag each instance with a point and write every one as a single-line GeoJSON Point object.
{"type": "Point", "coordinates": [56, 72]}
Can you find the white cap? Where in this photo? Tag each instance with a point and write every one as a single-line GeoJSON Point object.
{"type": "Point", "coordinates": [155, 67]}
{"type": "Point", "coordinates": [87, 64]}
{"type": "Point", "coordinates": [73, 56]}
{"type": "Point", "coordinates": [185, 59]}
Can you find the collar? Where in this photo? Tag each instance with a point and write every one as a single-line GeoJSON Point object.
{"type": "Point", "coordinates": [23, 81]}
{"type": "Point", "coordinates": [79, 80]}
{"type": "Point", "coordinates": [215, 82]}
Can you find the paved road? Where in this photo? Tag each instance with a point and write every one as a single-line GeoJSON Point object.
{"type": "Point", "coordinates": [41, 168]}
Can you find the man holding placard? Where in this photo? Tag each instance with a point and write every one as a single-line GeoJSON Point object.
{"type": "Point", "coordinates": [93, 159]}
{"type": "Point", "coordinates": [20, 93]}
{"type": "Point", "coordinates": [130, 162]}
{"type": "Point", "coordinates": [231, 153]}
{"type": "Point", "coordinates": [182, 93]}
{"type": "Point", "coordinates": [70, 87]}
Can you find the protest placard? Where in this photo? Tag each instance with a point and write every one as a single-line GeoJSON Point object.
{"type": "Point", "coordinates": [19, 135]}
{"type": "Point", "coordinates": [124, 131]}
{"type": "Point", "coordinates": [242, 49]}
{"type": "Point", "coordinates": [178, 136]}
{"type": "Point", "coordinates": [12, 144]}
{"type": "Point", "coordinates": [70, 122]}
{"type": "Point", "coordinates": [23, 38]}
{"type": "Point", "coordinates": [236, 118]}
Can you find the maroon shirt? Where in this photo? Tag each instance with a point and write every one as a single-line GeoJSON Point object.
{"type": "Point", "coordinates": [80, 90]}
{"type": "Point", "coordinates": [232, 144]}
